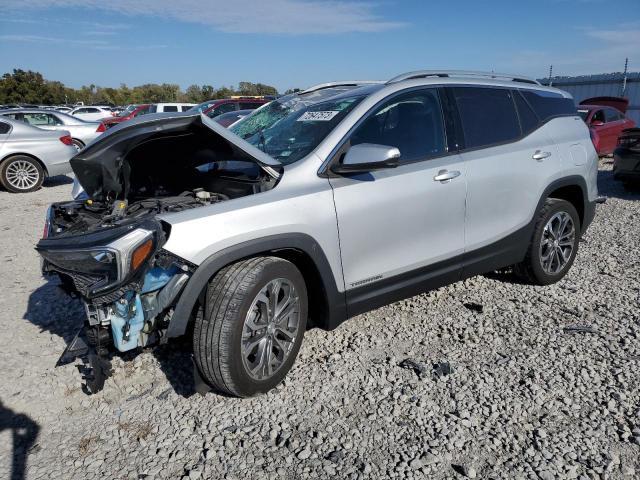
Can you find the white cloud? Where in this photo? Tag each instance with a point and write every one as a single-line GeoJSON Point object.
{"type": "Point", "coordinates": [291, 17]}
{"type": "Point", "coordinates": [618, 36]}
{"type": "Point", "coordinates": [93, 44]}
{"type": "Point", "coordinates": [603, 50]}
{"type": "Point", "coordinates": [44, 39]}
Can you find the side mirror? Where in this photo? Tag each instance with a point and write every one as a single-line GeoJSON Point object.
{"type": "Point", "coordinates": [597, 123]}
{"type": "Point", "coordinates": [366, 157]}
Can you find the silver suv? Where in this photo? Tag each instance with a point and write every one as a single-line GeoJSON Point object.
{"type": "Point", "coordinates": [315, 208]}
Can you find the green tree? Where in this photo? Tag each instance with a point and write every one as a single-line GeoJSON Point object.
{"type": "Point", "coordinates": [26, 86]}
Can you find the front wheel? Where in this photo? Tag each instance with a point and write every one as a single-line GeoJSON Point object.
{"type": "Point", "coordinates": [252, 327]}
{"type": "Point", "coordinates": [554, 245]}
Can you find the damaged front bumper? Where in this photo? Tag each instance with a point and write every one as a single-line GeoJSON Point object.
{"type": "Point", "coordinates": [128, 286]}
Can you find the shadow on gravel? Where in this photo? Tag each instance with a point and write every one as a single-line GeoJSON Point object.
{"type": "Point", "coordinates": [175, 362]}
{"type": "Point", "coordinates": [57, 180]}
{"type": "Point", "coordinates": [54, 311]}
{"type": "Point", "coordinates": [609, 187]}
{"type": "Point", "coordinates": [25, 433]}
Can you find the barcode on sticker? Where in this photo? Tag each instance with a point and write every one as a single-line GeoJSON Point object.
{"type": "Point", "coordinates": [317, 116]}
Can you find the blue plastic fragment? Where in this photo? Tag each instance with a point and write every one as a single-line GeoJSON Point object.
{"type": "Point", "coordinates": [127, 320]}
{"type": "Point", "coordinates": [157, 277]}
{"type": "Point", "coordinates": [130, 311]}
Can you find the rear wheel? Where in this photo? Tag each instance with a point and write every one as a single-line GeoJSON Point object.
{"type": "Point", "coordinates": [77, 144]}
{"type": "Point", "coordinates": [21, 174]}
{"type": "Point", "coordinates": [554, 244]}
{"type": "Point", "coordinates": [252, 327]}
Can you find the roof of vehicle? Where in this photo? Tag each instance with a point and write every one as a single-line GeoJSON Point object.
{"type": "Point", "coordinates": [325, 91]}
{"type": "Point", "coordinates": [44, 110]}
{"type": "Point", "coordinates": [175, 103]}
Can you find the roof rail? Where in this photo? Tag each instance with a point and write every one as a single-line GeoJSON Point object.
{"type": "Point", "coordinates": [462, 73]}
{"type": "Point", "coordinates": [353, 83]}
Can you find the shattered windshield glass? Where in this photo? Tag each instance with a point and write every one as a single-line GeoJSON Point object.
{"type": "Point", "coordinates": [290, 128]}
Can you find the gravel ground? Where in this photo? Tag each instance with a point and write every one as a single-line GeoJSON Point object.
{"type": "Point", "coordinates": [485, 378]}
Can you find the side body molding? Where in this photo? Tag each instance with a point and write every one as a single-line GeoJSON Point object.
{"type": "Point", "coordinates": [300, 242]}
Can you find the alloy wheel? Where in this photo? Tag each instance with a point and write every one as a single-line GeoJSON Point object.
{"type": "Point", "coordinates": [270, 328]}
{"type": "Point", "coordinates": [22, 174]}
{"type": "Point", "coordinates": [558, 242]}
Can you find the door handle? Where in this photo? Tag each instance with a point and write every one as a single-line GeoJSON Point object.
{"type": "Point", "coordinates": [540, 155]}
{"type": "Point", "coordinates": [445, 176]}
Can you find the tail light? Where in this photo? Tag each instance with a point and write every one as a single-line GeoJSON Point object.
{"type": "Point", "coordinates": [101, 128]}
{"type": "Point", "coordinates": [67, 140]}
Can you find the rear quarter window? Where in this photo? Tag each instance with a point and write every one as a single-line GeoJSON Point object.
{"type": "Point", "coordinates": [488, 116]}
{"type": "Point", "coordinates": [528, 118]}
{"type": "Point", "coordinates": [170, 108]}
{"type": "Point", "coordinates": [548, 104]}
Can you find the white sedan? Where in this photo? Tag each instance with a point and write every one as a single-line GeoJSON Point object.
{"type": "Point", "coordinates": [91, 113]}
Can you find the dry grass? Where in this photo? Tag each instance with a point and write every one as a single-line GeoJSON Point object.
{"type": "Point", "coordinates": [68, 391]}
{"type": "Point", "coordinates": [137, 430]}
{"type": "Point", "coordinates": [86, 444]}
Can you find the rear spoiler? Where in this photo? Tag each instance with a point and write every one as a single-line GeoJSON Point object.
{"type": "Point", "coordinates": [619, 103]}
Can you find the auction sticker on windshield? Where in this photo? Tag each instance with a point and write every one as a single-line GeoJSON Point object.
{"type": "Point", "coordinates": [317, 116]}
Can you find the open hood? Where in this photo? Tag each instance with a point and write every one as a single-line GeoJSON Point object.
{"type": "Point", "coordinates": [104, 168]}
{"type": "Point", "coordinates": [618, 103]}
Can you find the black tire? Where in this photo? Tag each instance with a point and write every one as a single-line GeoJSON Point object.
{"type": "Point", "coordinates": [217, 336]}
{"type": "Point", "coordinates": [530, 270]}
{"type": "Point", "coordinates": [9, 182]}
{"type": "Point", "coordinates": [77, 143]}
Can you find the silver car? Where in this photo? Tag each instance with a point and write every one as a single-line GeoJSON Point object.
{"type": "Point", "coordinates": [317, 207]}
{"type": "Point", "coordinates": [82, 132]}
{"type": "Point", "coordinates": [29, 154]}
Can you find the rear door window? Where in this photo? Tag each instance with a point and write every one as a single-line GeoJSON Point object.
{"type": "Point", "coordinates": [488, 116]}
{"type": "Point", "coordinates": [170, 108]}
{"type": "Point", "coordinates": [598, 116]}
{"type": "Point", "coordinates": [411, 122]}
{"type": "Point", "coordinates": [41, 119]}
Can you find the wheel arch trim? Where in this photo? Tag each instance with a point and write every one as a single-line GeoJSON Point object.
{"type": "Point", "coordinates": [30, 155]}
{"type": "Point", "coordinates": [269, 245]}
{"type": "Point", "coordinates": [572, 181]}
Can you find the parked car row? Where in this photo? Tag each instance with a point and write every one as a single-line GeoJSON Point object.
{"type": "Point", "coordinates": [28, 154]}
{"type": "Point", "coordinates": [82, 132]}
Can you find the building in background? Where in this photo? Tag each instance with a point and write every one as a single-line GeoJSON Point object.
{"type": "Point", "coordinates": [606, 84]}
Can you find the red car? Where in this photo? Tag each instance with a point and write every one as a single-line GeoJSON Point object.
{"type": "Point", "coordinates": [606, 120]}
{"type": "Point", "coordinates": [127, 114]}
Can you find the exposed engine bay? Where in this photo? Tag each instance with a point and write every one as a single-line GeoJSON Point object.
{"type": "Point", "coordinates": [107, 248]}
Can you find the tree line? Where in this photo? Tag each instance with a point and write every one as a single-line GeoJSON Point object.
{"type": "Point", "coordinates": [26, 86]}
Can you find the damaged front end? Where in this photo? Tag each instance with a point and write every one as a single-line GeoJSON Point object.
{"type": "Point", "coordinates": [107, 249]}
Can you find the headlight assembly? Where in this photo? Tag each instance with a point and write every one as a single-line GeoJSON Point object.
{"type": "Point", "coordinates": [107, 266]}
